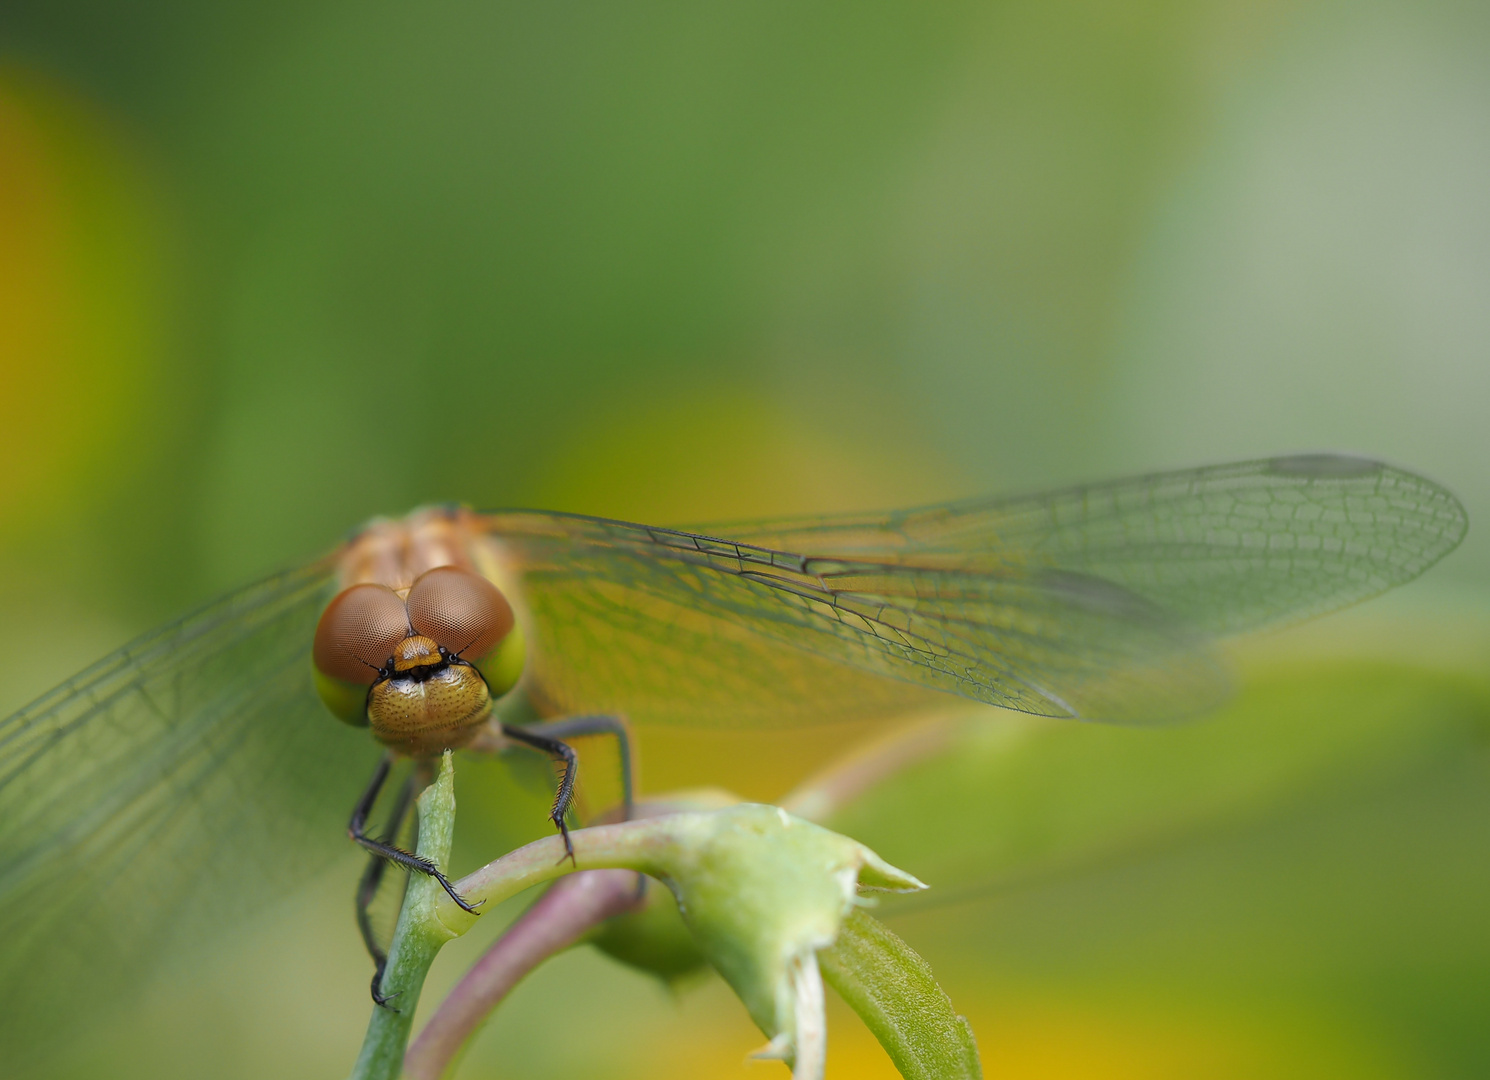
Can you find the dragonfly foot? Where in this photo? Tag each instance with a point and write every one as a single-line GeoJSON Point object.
{"type": "Point", "coordinates": [568, 844]}
{"type": "Point", "coordinates": [465, 905]}
{"type": "Point", "coordinates": [424, 866]}
{"type": "Point", "coordinates": [380, 999]}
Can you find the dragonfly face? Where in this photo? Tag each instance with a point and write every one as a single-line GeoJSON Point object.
{"type": "Point", "coordinates": [409, 663]}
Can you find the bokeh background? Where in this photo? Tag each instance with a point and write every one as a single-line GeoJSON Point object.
{"type": "Point", "coordinates": [267, 270]}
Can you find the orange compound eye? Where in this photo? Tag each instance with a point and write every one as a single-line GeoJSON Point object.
{"type": "Point", "coordinates": [460, 610]}
{"type": "Point", "coordinates": [358, 632]}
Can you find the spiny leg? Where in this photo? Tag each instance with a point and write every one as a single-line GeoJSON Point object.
{"type": "Point", "coordinates": [367, 889]}
{"type": "Point", "coordinates": [564, 797]}
{"type": "Point", "coordinates": [568, 726]}
{"type": "Point", "coordinates": [357, 830]}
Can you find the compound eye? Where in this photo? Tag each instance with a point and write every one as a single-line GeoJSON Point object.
{"type": "Point", "coordinates": [359, 631]}
{"type": "Point", "coordinates": [460, 610]}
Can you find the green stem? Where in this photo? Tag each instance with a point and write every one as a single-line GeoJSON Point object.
{"type": "Point", "coordinates": [416, 939]}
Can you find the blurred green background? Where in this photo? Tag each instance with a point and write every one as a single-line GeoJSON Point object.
{"type": "Point", "coordinates": [268, 270]}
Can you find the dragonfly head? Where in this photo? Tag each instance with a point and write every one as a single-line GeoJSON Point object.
{"type": "Point", "coordinates": [420, 670]}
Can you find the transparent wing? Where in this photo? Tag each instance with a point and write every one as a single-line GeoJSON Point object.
{"type": "Point", "coordinates": [1098, 602]}
{"type": "Point", "coordinates": [182, 779]}
{"type": "Point", "coordinates": [169, 786]}
{"type": "Point", "coordinates": [1230, 548]}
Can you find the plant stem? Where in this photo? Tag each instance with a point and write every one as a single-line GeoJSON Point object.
{"type": "Point", "coordinates": [563, 915]}
{"type": "Point", "coordinates": [416, 939]}
{"type": "Point", "coordinates": [846, 778]}
{"type": "Point", "coordinates": [812, 1031]}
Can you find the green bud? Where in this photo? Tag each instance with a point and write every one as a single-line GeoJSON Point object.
{"type": "Point", "coordinates": [762, 891]}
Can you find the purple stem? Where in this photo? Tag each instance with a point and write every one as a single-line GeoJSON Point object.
{"type": "Point", "coordinates": [561, 917]}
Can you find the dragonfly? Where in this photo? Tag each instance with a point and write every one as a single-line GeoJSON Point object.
{"type": "Point", "coordinates": [176, 781]}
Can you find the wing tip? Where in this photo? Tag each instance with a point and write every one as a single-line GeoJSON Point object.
{"type": "Point", "coordinates": [1325, 466]}
{"type": "Point", "coordinates": [1331, 466]}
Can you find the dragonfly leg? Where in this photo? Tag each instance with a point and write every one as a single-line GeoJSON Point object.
{"type": "Point", "coordinates": [563, 753]}
{"type": "Point", "coordinates": [568, 726]}
{"type": "Point", "coordinates": [357, 830]}
{"type": "Point", "coordinates": [367, 889]}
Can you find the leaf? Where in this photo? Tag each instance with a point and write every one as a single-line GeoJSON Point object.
{"type": "Point", "coordinates": [894, 992]}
